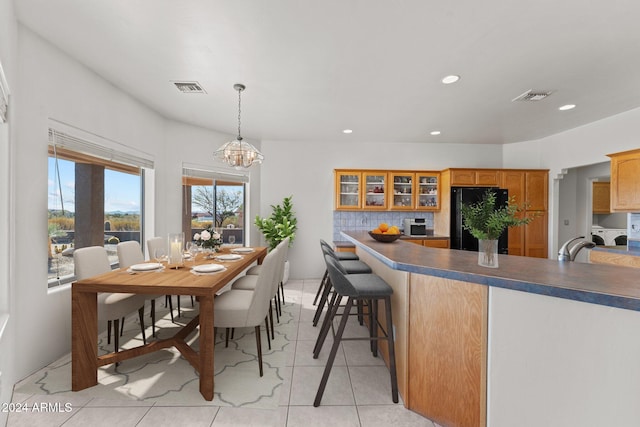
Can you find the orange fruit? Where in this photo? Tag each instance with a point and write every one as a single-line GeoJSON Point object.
{"type": "Point", "coordinates": [383, 226]}
{"type": "Point", "coordinates": [376, 231]}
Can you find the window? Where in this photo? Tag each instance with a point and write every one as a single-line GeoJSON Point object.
{"type": "Point", "coordinates": [214, 200]}
{"type": "Point", "coordinates": [93, 200]}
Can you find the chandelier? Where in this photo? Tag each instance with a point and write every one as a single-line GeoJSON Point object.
{"type": "Point", "coordinates": [238, 153]}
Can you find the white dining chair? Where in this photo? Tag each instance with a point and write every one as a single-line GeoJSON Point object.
{"type": "Point", "coordinates": [157, 243]}
{"type": "Point", "coordinates": [92, 261]}
{"type": "Point", "coordinates": [130, 253]}
{"type": "Point", "coordinates": [239, 308]}
{"type": "Point", "coordinates": [249, 281]}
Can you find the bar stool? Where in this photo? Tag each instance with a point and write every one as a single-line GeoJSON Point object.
{"type": "Point", "coordinates": [342, 256]}
{"type": "Point", "coordinates": [350, 266]}
{"type": "Point", "coordinates": [356, 287]}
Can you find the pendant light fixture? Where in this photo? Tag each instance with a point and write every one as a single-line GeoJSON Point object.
{"type": "Point", "coordinates": [238, 153]}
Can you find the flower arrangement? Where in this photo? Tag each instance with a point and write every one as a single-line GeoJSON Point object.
{"type": "Point", "coordinates": [208, 239]}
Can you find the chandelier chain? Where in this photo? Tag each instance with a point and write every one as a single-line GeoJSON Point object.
{"type": "Point", "coordinates": [239, 104]}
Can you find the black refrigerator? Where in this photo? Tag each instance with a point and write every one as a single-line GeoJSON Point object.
{"type": "Point", "coordinates": [461, 238]}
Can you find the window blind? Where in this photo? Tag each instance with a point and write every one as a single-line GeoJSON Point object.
{"type": "Point", "coordinates": [194, 172]}
{"type": "Point", "coordinates": [79, 145]}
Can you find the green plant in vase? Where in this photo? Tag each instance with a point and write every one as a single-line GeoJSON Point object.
{"type": "Point", "coordinates": [281, 224]}
{"type": "Point", "coordinates": [486, 223]}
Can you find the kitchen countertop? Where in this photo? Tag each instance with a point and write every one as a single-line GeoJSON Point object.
{"type": "Point", "coordinates": [608, 285]}
{"type": "Point", "coordinates": [623, 249]}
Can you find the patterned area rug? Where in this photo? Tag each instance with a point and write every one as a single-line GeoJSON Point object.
{"type": "Point", "coordinates": [166, 377]}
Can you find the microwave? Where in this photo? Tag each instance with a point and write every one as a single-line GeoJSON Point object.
{"type": "Point", "coordinates": [415, 227]}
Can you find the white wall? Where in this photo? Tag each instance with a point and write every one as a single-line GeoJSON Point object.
{"type": "Point", "coordinates": [54, 86]}
{"type": "Point", "coordinates": [305, 171]}
{"type": "Point", "coordinates": [559, 363]}
{"type": "Point", "coordinates": [8, 36]}
{"type": "Point", "coordinates": [582, 146]}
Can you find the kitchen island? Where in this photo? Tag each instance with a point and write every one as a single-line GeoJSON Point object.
{"type": "Point", "coordinates": [534, 342]}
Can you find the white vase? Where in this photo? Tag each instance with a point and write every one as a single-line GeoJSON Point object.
{"type": "Point", "coordinates": [488, 253]}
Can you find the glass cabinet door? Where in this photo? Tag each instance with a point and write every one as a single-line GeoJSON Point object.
{"type": "Point", "coordinates": [428, 190]}
{"type": "Point", "coordinates": [348, 190]}
{"type": "Point", "coordinates": [402, 191]}
{"type": "Point", "coordinates": [375, 195]}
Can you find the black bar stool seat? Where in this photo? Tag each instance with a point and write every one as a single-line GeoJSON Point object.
{"type": "Point", "coordinates": [350, 266]}
{"type": "Point", "coordinates": [356, 287]}
{"type": "Point", "coordinates": [347, 256]}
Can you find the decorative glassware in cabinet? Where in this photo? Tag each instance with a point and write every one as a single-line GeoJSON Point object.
{"type": "Point", "coordinates": [427, 192]}
{"type": "Point", "coordinates": [402, 191]}
{"type": "Point", "coordinates": [350, 190]}
{"type": "Point", "coordinates": [375, 195]}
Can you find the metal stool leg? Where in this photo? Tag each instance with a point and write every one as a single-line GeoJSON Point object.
{"type": "Point", "coordinates": [323, 300]}
{"type": "Point", "coordinates": [321, 287]}
{"type": "Point", "coordinates": [392, 351]}
{"type": "Point", "coordinates": [332, 355]}
{"type": "Point", "coordinates": [332, 309]}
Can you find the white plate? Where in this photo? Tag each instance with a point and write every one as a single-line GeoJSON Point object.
{"type": "Point", "coordinates": [207, 268]}
{"type": "Point", "coordinates": [228, 257]}
{"type": "Point", "coordinates": [147, 266]}
{"type": "Point", "coordinates": [242, 250]}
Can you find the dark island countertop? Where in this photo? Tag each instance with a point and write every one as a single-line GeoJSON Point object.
{"type": "Point", "coordinates": [613, 286]}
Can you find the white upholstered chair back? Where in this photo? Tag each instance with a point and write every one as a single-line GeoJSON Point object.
{"type": "Point", "coordinates": [129, 253]}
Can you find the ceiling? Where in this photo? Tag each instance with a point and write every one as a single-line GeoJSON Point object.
{"type": "Point", "coordinates": [314, 68]}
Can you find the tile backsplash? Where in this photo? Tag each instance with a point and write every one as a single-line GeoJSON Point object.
{"type": "Point", "coordinates": [365, 221]}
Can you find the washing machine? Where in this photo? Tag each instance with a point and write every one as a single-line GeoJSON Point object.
{"type": "Point", "coordinates": [609, 235]}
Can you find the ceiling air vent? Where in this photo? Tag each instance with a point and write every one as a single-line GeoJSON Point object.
{"type": "Point", "coordinates": [532, 95]}
{"type": "Point", "coordinates": [189, 87]}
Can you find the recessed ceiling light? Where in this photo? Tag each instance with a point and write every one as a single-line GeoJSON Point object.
{"type": "Point", "coordinates": [567, 107]}
{"type": "Point", "coordinates": [450, 79]}
{"type": "Point", "coordinates": [435, 132]}
{"type": "Point", "coordinates": [347, 131]}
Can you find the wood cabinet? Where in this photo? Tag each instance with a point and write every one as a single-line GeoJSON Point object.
{"type": "Point", "coordinates": [601, 198]}
{"type": "Point", "coordinates": [427, 190]}
{"type": "Point", "coordinates": [387, 190]}
{"type": "Point", "coordinates": [402, 195]}
{"type": "Point", "coordinates": [375, 190]}
{"type": "Point", "coordinates": [625, 184]}
{"type": "Point", "coordinates": [529, 188]}
{"type": "Point", "coordinates": [348, 189]}
{"type": "Point", "coordinates": [470, 177]}
{"type": "Point", "coordinates": [430, 243]}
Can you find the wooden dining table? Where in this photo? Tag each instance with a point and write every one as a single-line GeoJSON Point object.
{"type": "Point", "coordinates": [172, 280]}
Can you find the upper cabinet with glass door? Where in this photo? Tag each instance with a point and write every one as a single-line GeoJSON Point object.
{"type": "Point", "coordinates": [375, 194]}
{"type": "Point", "coordinates": [348, 189]}
{"type": "Point", "coordinates": [427, 191]}
{"type": "Point", "coordinates": [402, 191]}
{"type": "Point", "coordinates": [387, 190]}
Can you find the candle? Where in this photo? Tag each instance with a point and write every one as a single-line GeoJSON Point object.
{"type": "Point", "coordinates": [175, 248]}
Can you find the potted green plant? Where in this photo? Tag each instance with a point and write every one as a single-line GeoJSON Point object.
{"type": "Point", "coordinates": [281, 224]}
{"type": "Point", "coordinates": [485, 222]}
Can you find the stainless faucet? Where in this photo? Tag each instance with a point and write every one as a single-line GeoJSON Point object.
{"type": "Point", "coordinates": [567, 253]}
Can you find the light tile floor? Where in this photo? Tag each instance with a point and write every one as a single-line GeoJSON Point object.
{"type": "Point", "coordinates": [358, 392]}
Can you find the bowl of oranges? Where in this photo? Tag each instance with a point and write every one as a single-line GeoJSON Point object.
{"type": "Point", "coordinates": [384, 233]}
